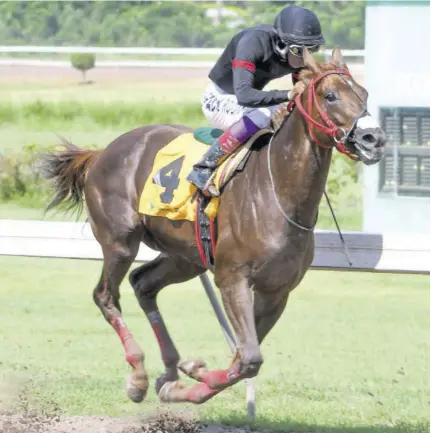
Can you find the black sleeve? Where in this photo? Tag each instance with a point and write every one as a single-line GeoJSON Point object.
{"type": "Point", "coordinates": [248, 52]}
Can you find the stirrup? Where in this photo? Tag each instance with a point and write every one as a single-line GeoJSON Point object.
{"type": "Point", "coordinates": [209, 190]}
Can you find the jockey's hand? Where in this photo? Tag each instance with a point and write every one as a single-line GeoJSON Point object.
{"type": "Point", "coordinates": [297, 90]}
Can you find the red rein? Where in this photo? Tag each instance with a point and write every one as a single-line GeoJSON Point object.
{"type": "Point", "coordinates": [329, 127]}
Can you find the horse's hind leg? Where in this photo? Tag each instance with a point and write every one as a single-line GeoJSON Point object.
{"type": "Point", "coordinates": [147, 281]}
{"type": "Point", "coordinates": [120, 239]}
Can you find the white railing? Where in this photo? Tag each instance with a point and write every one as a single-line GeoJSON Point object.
{"type": "Point", "coordinates": [372, 252]}
{"type": "Point", "coordinates": [135, 50]}
{"type": "Point", "coordinates": [130, 63]}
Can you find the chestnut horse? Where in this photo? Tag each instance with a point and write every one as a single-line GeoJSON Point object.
{"type": "Point", "coordinates": [266, 218]}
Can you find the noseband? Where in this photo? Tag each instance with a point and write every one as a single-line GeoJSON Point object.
{"type": "Point", "coordinates": [339, 134]}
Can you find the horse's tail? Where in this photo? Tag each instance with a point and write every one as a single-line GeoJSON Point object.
{"type": "Point", "coordinates": [68, 169]}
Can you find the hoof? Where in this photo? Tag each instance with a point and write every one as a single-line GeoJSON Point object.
{"type": "Point", "coordinates": [172, 392]}
{"type": "Point", "coordinates": [194, 369]}
{"type": "Point", "coordinates": [137, 395]}
{"type": "Point", "coordinates": [160, 382]}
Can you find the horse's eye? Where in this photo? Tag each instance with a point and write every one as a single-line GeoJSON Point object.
{"type": "Point", "coordinates": [330, 96]}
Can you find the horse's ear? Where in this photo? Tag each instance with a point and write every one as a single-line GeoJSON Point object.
{"type": "Point", "coordinates": [310, 62]}
{"type": "Point", "coordinates": [338, 59]}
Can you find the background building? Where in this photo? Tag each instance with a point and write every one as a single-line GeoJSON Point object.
{"type": "Point", "coordinates": [397, 76]}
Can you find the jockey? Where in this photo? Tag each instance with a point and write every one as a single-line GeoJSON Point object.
{"type": "Point", "coordinates": [234, 100]}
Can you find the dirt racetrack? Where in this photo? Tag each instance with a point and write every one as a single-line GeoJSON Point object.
{"type": "Point", "coordinates": [32, 74]}
{"type": "Point", "coordinates": [36, 74]}
{"type": "Point", "coordinates": [23, 409]}
{"type": "Point", "coordinates": [80, 424]}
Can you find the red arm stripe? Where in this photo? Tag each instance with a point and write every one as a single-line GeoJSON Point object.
{"type": "Point", "coordinates": [243, 64]}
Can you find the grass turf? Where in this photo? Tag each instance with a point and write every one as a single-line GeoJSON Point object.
{"type": "Point", "coordinates": [350, 353]}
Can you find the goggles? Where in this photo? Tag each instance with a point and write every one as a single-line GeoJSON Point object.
{"type": "Point", "coordinates": [296, 50]}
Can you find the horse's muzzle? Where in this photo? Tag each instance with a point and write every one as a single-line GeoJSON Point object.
{"type": "Point", "coordinates": [369, 144]}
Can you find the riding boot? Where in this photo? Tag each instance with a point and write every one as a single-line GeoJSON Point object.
{"type": "Point", "coordinates": [222, 147]}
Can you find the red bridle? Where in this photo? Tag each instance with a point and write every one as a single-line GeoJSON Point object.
{"type": "Point", "coordinates": [329, 127]}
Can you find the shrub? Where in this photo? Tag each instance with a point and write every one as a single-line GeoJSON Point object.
{"type": "Point", "coordinates": [83, 62]}
{"type": "Point", "coordinates": [21, 177]}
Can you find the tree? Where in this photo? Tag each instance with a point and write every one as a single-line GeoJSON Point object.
{"type": "Point", "coordinates": [164, 24]}
{"type": "Point", "coordinates": [83, 62]}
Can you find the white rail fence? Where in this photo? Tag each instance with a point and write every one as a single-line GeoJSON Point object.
{"type": "Point", "coordinates": [28, 49]}
{"type": "Point", "coordinates": [135, 50]}
{"type": "Point", "coordinates": [369, 252]}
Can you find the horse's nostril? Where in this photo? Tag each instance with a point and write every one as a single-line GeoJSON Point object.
{"type": "Point", "coordinates": [369, 138]}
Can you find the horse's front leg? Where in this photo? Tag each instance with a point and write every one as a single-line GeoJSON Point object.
{"type": "Point", "coordinates": [238, 303]}
{"type": "Point", "coordinates": [268, 307]}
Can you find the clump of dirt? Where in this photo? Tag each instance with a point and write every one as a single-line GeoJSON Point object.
{"type": "Point", "coordinates": [170, 423]}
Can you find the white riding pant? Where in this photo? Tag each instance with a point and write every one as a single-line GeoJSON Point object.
{"type": "Point", "coordinates": [222, 109]}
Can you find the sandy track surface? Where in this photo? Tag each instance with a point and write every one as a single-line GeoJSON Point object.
{"type": "Point", "coordinates": [18, 423]}
{"type": "Point", "coordinates": [32, 74]}
{"type": "Point", "coordinates": [23, 409]}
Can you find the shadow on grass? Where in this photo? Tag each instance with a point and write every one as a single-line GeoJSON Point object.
{"type": "Point", "coordinates": [286, 426]}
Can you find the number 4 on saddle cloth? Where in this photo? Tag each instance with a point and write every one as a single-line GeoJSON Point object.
{"type": "Point", "coordinates": [167, 193]}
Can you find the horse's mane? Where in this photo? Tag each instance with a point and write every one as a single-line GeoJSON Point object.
{"type": "Point", "coordinates": [307, 74]}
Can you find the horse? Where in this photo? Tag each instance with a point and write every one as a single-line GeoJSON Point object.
{"type": "Point", "coordinates": [265, 222]}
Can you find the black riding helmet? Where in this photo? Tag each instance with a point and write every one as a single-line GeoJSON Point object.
{"type": "Point", "coordinates": [297, 26]}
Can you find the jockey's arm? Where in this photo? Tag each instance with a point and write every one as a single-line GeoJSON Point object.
{"type": "Point", "coordinates": [249, 52]}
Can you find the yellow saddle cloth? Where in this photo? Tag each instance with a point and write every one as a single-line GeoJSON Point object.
{"type": "Point", "coordinates": [167, 193]}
